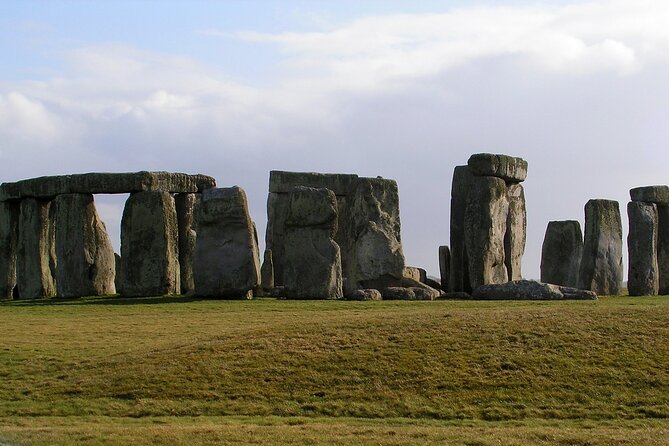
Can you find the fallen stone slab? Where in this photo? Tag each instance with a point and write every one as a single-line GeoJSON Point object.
{"type": "Point", "coordinates": [651, 194]}
{"type": "Point", "coordinates": [530, 290]}
{"type": "Point", "coordinates": [364, 295]}
{"type": "Point", "coordinates": [105, 183]}
{"type": "Point", "coordinates": [509, 168]}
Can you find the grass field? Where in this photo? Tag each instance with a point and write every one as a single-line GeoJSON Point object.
{"type": "Point", "coordinates": [180, 371]}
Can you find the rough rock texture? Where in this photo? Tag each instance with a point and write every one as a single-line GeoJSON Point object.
{"type": "Point", "coordinates": [459, 265]}
{"type": "Point", "coordinates": [651, 194]}
{"type": "Point", "coordinates": [118, 279]}
{"type": "Point", "coordinates": [561, 253]}
{"type": "Point", "coordinates": [105, 183]}
{"type": "Point", "coordinates": [267, 271]}
{"type": "Point", "coordinates": [187, 210]}
{"type": "Point", "coordinates": [374, 247]}
{"type": "Point", "coordinates": [36, 255]}
{"type": "Point", "coordinates": [642, 273]}
{"type": "Point", "coordinates": [398, 293]}
{"type": "Point", "coordinates": [424, 293]}
{"type": "Point", "coordinates": [312, 268]}
{"type": "Point", "coordinates": [433, 282]}
{"type": "Point", "coordinates": [86, 264]}
{"type": "Point", "coordinates": [485, 223]}
{"type": "Point", "coordinates": [663, 248]}
{"type": "Point", "coordinates": [9, 216]}
{"type": "Point", "coordinates": [508, 168]}
{"type": "Point", "coordinates": [227, 262]}
{"type": "Point", "coordinates": [149, 245]}
{"type": "Point", "coordinates": [602, 262]}
{"type": "Point", "coordinates": [530, 290]}
{"type": "Point", "coordinates": [275, 233]}
{"type": "Point", "coordinates": [368, 294]}
{"type": "Point", "coordinates": [444, 266]}
{"type": "Point", "coordinates": [415, 273]}
{"type": "Point", "coordinates": [516, 230]}
{"type": "Point", "coordinates": [284, 182]}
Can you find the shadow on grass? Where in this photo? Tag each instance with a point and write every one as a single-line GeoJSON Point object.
{"type": "Point", "coordinates": [103, 300]}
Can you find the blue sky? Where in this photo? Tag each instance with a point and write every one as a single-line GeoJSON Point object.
{"type": "Point", "coordinates": [406, 90]}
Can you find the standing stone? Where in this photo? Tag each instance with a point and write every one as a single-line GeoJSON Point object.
{"type": "Point", "coordinates": [9, 216]}
{"type": "Point", "coordinates": [312, 267]}
{"type": "Point", "coordinates": [485, 223]}
{"type": "Point", "coordinates": [602, 263]}
{"type": "Point", "coordinates": [186, 206]}
{"type": "Point", "coordinates": [149, 245]}
{"type": "Point", "coordinates": [227, 263]}
{"type": "Point", "coordinates": [36, 256]}
{"type": "Point", "coordinates": [642, 277]}
{"type": "Point", "coordinates": [267, 271]}
{"type": "Point", "coordinates": [86, 265]}
{"type": "Point", "coordinates": [516, 229]}
{"type": "Point", "coordinates": [118, 279]}
{"type": "Point", "coordinates": [444, 266]}
{"type": "Point", "coordinates": [459, 265]}
{"type": "Point", "coordinates": [374, 248]}
{"type": "Point", "coordinates": [561, 253]}
{"type": "Point", "coordinates": [509, 168]}
{"type": "Point", "coordinates": [275, 233]}
{"type": "Point", "coordinates": [663, 248]}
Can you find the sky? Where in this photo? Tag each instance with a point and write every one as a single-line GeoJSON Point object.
{"type": "Point", "coordinates": [400, 89]}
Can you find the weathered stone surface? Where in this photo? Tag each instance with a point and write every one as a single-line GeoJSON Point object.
{"type": "Point", "coordinates": [433, 283]}
{"type": "Point", "coordinates": [415, 273]}
{"type": "Point", "coordinates": [36, 255]}
{"type": "Point", "coordinates": [267, 271]}
{"type": "Point", "coordinates": [424, 293]}
{"type": "Point", "coordinates": [284, 182]}
{"type": "Point", "coordinates": [516, 230]}
{"type": "Point", "coordinates": [85, 256]}
{"type": "Point", "coordinates": [227, 263]}
{"type": "Point", "coordinates": [459, 267]}
{"type": "Point", "coordinates": [642, 273]}
{"type": "Point", "coordinates": [561, 253]}
{"type": "Point", "coordinates": [485, 220]}
{"type": "Point", "coordinates": [398, 293]}
{"type": "Point", "coordinates": [118, 279]}
{"type": "Point", "coordinates": [530, 290]}
{"type": "Point", "coordinates": [368, 294]}
{"type": "Point", "coordinates": [663, 248]}
{"type": "Point", "coordinates": [651, 194]}
{"type": "Point", "coordinates": [9, 216]}
{"type": "Point", "coordinates": [312, 268]}
{"type": "Point", "coordinates": [456, 295]}
{"type": "Point", "coordinates": [277, 212]}
{"type": "Point", "coordinates": [374, 246]}
{"type": "Point", "coordinates": [187, 211]}
{"type": "Point", "coordinates": [105, 183]}
{"type": "Point", "coordinates": [149, 245]}
{"type": "Point", "coordinates": [444, 266]}
{"type": "Point", "coordinates": [602, 262]}
{"type": "Point", "coordinates": [510, 169]}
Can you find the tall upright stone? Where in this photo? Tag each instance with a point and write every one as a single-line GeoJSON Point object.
{"type": "Point", "coordinates": [663, 248]}
{"type": "Point", "coordinates": [267, 271]}
{"type": "Point", "coordinates": [485, 223]}
{"type": "Point", "coordinates": [374, 250]}
{"type": "Point", "coordinates": [36, 256]}
{"type": "Point", "coordinates": [149, 245]}
{"type": "Point", "coordinates": [312, 267]}
{"type": "Point", "coordinates": [226, 263]}
{"type": "Point", "coordinates": [86, 264]}
{"type": "Point", "coordinates": [602, 262]}
{"type": "Point", "coordinates": [642, 277]}
{"type": "Point", "coordinates": [9, 216]}
{"type": "Point", "coordinates": [516, 230]}
{"type": "Point", "coordinates": [444, 266]}
{"type": "Point", "coordinates": [187, 211]}
{"type": "Point", "coordinates": [459, 265]}
{"type": "Point", "coordinates": [561, 253]}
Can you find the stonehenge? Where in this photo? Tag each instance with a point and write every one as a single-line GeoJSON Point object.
{"type": "Point", "coordinates": [561, 253]}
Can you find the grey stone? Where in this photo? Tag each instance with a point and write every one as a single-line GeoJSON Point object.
{"type": "Point", "coordinates": [362, 295]}
{"type": "Point", "coordinates": [374, 247]}
{"type": "Point", "coordinates": [485, 223]}
{"type": "Point", "coordinates": [433, 283]}
{"type": "Point", "coordinates": [267, 271]}
{"type": "Point", "coordinates": [602, 262]}
{"type": "Point", "coordinates": [651, 194]}
{"type": "Point", "coordinates": [85, 256]}
{"type": "Point", "coordinates": [9, 216]}
{"type": "Point", "coordinates": [187, 211]}
{"type": "Point", "coordinates": [105, 183]}
{"type": "Point", "coordinates": [277, 212]}
{"type": "Point", "coordinates": [510, 169]}
{"type": "Point", "coordinates": [642, 273]}
{"type": "Point", "coordinates": [423, 293]}
{"type": "Point", "coordinates": [444, 266]}
{"type": "Point", "coordinates": [227, 263]}
{"type": "Point", "coordinates": [284, 182]}
{"type": "Point", "coordinates": [530, 290]}
{"type": "Point", "coordinates": [118, 278]}
{"type": "Point", "coordinates": [459, 265]}
{"type": "Point", "coordinates": [278, 292]}
{"type": "Point", "coordinates": [663, 248]}
{"type": "Point", "coordinates": [398, 293]}
{"type": "Point", "coordinates": [415, 273]}
{"type": "Point", "coordinates": [149, 245]}
{"type": "Point", "coordinates": [516, 229]}
{"type": "Point", "coordinates": [312, 268]}
{"type": "Point", "coordinates": [36, 255]}
{"type": "Point", "coordinates": [561, 253]}
{"type": "Point", "coordinates": [456, 295]}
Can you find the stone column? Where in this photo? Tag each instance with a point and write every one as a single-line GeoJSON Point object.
{"type": "Point", "coordinates": [9, 216]}
{"type": "Point", "coordinates": [267, 272]}
{"type": "Point", "coordinates": [444, 266]}
{"type": "Point", "coordinates": [186, 206]}
{"type": "Point", "coordinates": [149, 245]}
{"type": "Point", "coordinates": [642, 276]}
{"type": "Point", "coordinates": [516, 230]}
{"type": "Point", "coordinates": [663, 248]}
{"type": "Point", "coordinates": [459, 265]}
{"type": "Point", "coordinates": [561, 253]}
{"type": "Point", "coordinates": [86, 264]}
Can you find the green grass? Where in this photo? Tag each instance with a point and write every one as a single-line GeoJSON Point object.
{"type": "Point", "coordinates": [181, 371]}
